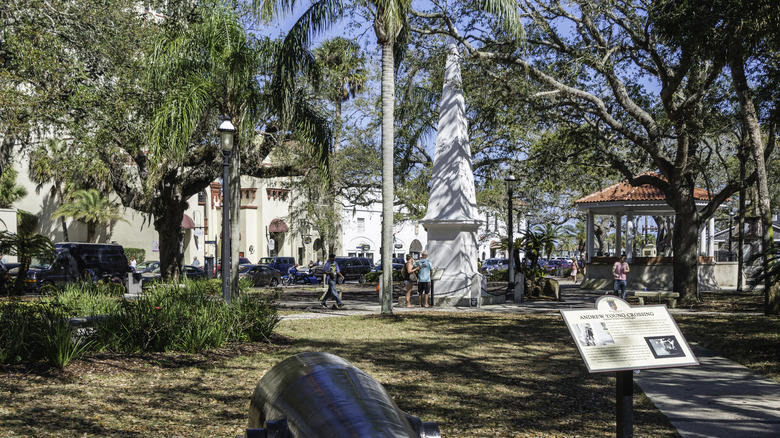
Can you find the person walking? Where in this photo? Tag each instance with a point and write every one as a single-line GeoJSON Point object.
{"type": "Point", "coordinates": [424, 268]}
{"type": "Point", "coordinates": [196, 262]}
{"type": "Point", "coordinates": [331, 270]}
{"type": "Point", "coordinates": [408, 273]}
{"type": "Point", "coordinates": [132, 263]}
{"type": "Point", "coordinates": [619, 271]}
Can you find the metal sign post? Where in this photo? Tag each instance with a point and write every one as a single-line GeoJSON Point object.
{"type": "Point", "coordinates": [625, 404]}
{"type": "Point", "coordinates": [615, 336]}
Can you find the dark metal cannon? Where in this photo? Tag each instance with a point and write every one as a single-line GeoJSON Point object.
{"type": "Point", "coordinates": [313, 395]}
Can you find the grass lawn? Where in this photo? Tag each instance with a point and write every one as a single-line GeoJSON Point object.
{"type": "Point", "coordinates": [476, 375]}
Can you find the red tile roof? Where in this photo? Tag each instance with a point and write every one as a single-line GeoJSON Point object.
{"type": "Point", "coordinates": [623, 191]}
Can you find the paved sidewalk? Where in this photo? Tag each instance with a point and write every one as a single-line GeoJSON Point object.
{"type": "Point", "coordinates": [718, 398]}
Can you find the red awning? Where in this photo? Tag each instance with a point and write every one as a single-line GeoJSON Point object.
{"type": "Point", "coordinates": [278, 226]}
{"type": "Point", "coordinates": [187, 223]}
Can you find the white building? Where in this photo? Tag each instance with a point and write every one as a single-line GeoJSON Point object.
{"type": "Point", "coordinates": [493, 232]}
{"type": "Point", "coordinates": [362, 234]}
{"type": "Point", "coordinates": [264, 206]}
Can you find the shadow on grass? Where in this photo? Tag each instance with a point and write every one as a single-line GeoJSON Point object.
{"type": "Point", "coordinates": [476, 375]}
{"type": "Point", "coordinates": [480, 375]}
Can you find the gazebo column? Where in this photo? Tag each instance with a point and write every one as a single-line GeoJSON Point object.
{"type": "Point", "coordinates": [618, 233]}
{"type": "Point", "coordinates": [711, 241]}
{"type": "Point", "coordinates": [702, 241]}
{"type": "Point", "coordinates": [589, 234]}
{"type": "Point", "coordinates": [630, 236]}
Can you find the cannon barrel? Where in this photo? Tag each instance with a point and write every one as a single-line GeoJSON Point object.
{"type": "Point", "coordinates": [315, 395]}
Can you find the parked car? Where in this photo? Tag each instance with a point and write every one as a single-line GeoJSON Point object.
{"type": "Point", "coordinates": [79, 261]}
{"type": "Point", "coordinates": [495, 264]}
{"type": "Point", "coordinates": [353, 268]}
{"type": "Point", "coordinates": [261, 275]}
{"type": "Point", "coordinates": [241, 262]}
{"type": "Point", "coordinates": [553, 265]}
{"type": "Point", "coordinates": [155, 275]}
{"type": "Point", "coordinates": [281, 264]}
{"type": "Point", "coordinates": [147, 265]}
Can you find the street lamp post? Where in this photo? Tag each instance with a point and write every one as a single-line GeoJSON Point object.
{"type": "Point", "coordinates": [226, 131]}
{"type": "Point", "coordinates": [510, 182]}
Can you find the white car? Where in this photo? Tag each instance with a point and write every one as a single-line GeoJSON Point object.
{"type": "Point", "coordinates": [492, 264]}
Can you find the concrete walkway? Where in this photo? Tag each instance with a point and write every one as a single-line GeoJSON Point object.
{"type": "Point", "coordinates": [718, 398]}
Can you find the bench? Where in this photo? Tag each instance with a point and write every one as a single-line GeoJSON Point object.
{"type": "Point", "coordinates": [658, 295]}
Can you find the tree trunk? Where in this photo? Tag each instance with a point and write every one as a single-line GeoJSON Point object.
{"type": "Point", "coordinates": [169, 211]}
{"type": "Point", "coordinates": [685, 246]}
{"type": "Point", "coordinates": [169, 233]}
{"type": "Point", "coordinates": [91, 232]}
{"type": "Point", "coordinates": [750, 119]}
{"type": "Point", "coordinates": [63, 220]}
{"type": "Point", "coordinates": [388, 108]}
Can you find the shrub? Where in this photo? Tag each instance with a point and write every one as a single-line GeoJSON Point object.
{"type": "Point", "coordinates": [33, 331]}
{"type": "Point", "coordinates": [501, 275]}
{"type": "Point", "coordinates": [86, 299]}
{"type": "Point", "coordinates": [255, 318]}
{"type": "Point", "coordinates": [60, 344]}
{"type": "Point", "coordinates": [373, 276]}
{"type": "Point", "coordinates": [167, 317]}
{"type": "Point", "coordinates": [19, 330]}
{"type": "Point", "coordinates": [184, 318]}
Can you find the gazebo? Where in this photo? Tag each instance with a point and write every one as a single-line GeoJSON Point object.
{"type": "Point", "coordinates": [649, 270]}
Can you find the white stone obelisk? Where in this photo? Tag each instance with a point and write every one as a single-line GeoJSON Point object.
{"type": "Point", "coordinates": [452, 220]}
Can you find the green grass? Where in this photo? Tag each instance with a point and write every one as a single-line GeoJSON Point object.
{"type": "Point", "coordinates": [476, 375]}
{"type": "Point", "coordinates": [752, 340]}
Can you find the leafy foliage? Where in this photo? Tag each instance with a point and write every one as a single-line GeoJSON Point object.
{"type": "Point", "coordinates": [9, 191]}
{"type": "Point", "coordinates": [168, 317]}
{"type": "Point", "coordinates": [92, 208]}
{"type": "Point", "coordinates": [26, 245]}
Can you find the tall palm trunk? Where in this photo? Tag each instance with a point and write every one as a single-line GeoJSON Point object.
{"type": "Point", "coordinates": [235, 218]}
{"type": "Point", "coordinates": [388, 108]}
{"type": "Point", "coordinates": [63, 221]}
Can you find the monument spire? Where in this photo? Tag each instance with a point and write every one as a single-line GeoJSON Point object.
{"type": "Point", "coordinates": [452, 194]}
{"type": "Point", "coordinates": [452, 219]}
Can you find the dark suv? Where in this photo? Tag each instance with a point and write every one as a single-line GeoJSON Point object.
{"type": "Point", "coordinates": [281, 264]}
{"type": "Point", "coordinates": [86, 261]}
{"type": "Point", "coordinates": [353, 268]}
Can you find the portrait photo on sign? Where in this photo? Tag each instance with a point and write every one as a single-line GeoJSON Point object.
{"type": "Point", "coordinates": [664, 346]}
{"type": "Point", "coordinates": [595, 334]}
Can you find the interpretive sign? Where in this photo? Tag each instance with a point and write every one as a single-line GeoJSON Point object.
{"type": "Point", "coordinates": [615, 336]}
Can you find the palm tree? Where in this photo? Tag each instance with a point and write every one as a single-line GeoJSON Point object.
{"type": "Point", "coordinates": [215, 65]}
{"type": "Point", "coordinates": [47, 165]}
{"type": "Point", "coordinates": [9, 191]}
{"type": "Point", "coordinates": [344, 72]}
{"type": "Point", "coordinates": [26, 245]}
{"type": "Point", "coordinates": [550, 233]}
{"type": "Point", "coordinates": [92, 208]}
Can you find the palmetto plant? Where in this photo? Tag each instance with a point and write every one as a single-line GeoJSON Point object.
{"type": "Point", "coordinates": [26, 245]}
{"type": "Point", "coordinates": [9, 191]}
{"type": "Point", "coordinates": [91, 207]}
{"type": "Point", "coordinates": [550, 235]}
